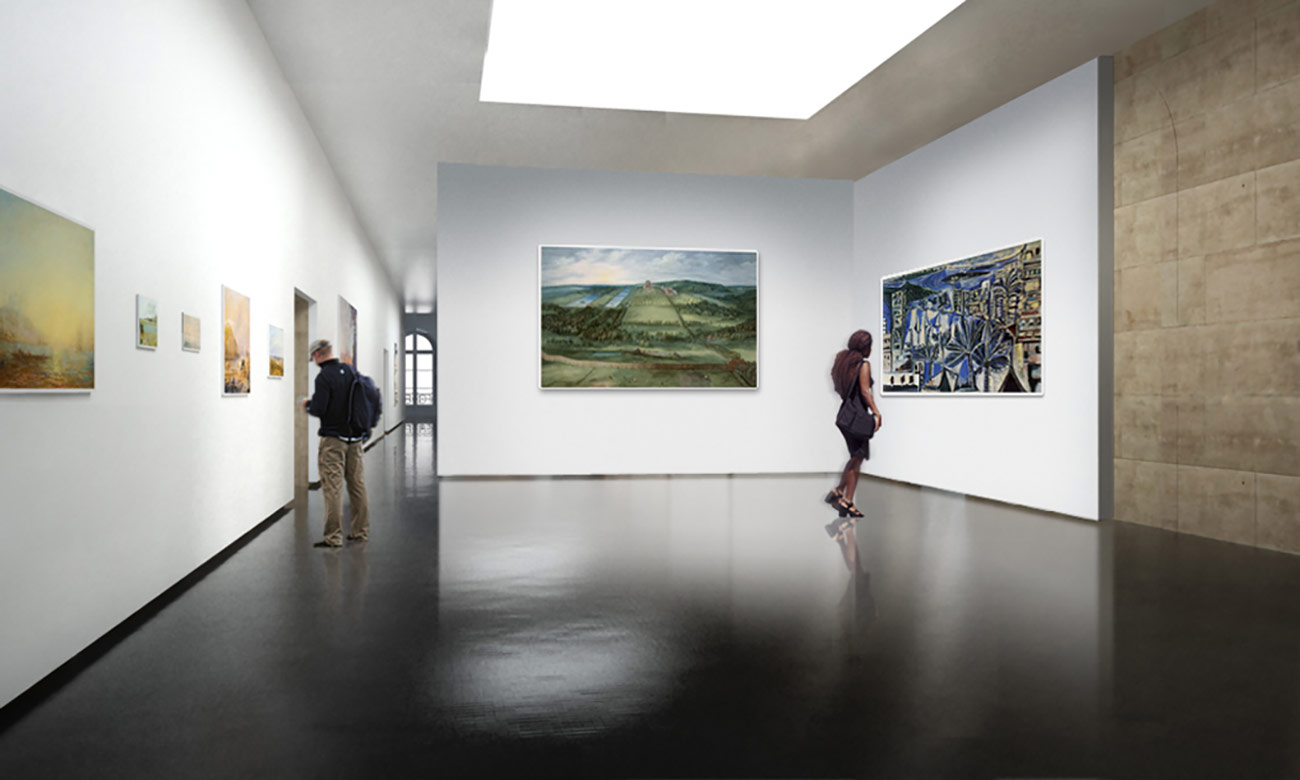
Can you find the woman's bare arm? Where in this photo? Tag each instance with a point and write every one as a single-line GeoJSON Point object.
{"type": "Point", "coordinates": [864, 386]}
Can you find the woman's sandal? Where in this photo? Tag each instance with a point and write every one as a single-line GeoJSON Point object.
{"type": "Point", "coordinates": [847, 509]}
{"type": "Point", "coordinates": [834, 495]}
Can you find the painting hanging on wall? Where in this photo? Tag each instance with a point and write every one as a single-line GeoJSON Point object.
{"type": "Point", "coordinates": [628, 317]}
{"type": "Point", "coordinates": [146, 322]}
{"type": "Point", "coordinates": [47, 300]}
{"type": "Point", "coordinates": [235, 315]}
{"type": "Point", "coordinates": [190, 333]}
{"type": "Point", "coordinates": [966, 326]}
{"type": "Point", "coordinates": [347, 346]}
{"type": "Point", "coordinates": [276, 351]}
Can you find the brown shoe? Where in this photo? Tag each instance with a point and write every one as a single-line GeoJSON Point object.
{"type": "Point", "coordinates": [358, 537]}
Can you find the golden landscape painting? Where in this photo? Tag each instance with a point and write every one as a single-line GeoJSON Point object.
{"type": "Point", "coordinates": [276, 351]}
{"type": "Point", "coordinates": [47, 300]}
{"type": "Point", "coordinates": [235, 314]}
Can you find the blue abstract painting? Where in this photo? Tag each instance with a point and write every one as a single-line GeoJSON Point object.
{"type": "Point", "coordinates": [966, 326]}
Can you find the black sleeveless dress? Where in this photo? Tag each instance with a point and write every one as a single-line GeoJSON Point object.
{"type": "Point", "coordinates": [858, 447]}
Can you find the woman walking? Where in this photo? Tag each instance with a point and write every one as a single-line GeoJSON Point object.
{"type": "Point", "coordinates": [852, 376]}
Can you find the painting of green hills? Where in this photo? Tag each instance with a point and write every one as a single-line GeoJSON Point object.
{"type": "Point", "coordinates": [47, 300]}
{"type": "Point", "coordinates": [630, 317]}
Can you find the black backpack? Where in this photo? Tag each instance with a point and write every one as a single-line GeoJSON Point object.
{"type": "Point", "coordinates": [365, 406]}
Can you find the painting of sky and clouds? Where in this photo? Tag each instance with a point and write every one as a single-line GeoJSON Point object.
{"type": "Point", "coordinates": [625, 317]}
{"type": "Point", "coordinates": [47, 300]}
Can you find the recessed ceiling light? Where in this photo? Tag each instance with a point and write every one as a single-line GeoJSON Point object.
{"type": "Point", "coordinates": [762, 58]}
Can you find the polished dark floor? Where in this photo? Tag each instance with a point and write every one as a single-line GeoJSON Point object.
{"type": "Point", "coordinates": [694, 627]}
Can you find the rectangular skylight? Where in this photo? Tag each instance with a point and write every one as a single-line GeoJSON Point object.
{"type": "Point", "coordinates": [761, 58]}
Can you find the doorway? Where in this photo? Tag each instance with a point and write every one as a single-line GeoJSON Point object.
{"type": "Point", "coordinates": [385, 423]}
{"type": "Point", "coordinates": [303, 309]}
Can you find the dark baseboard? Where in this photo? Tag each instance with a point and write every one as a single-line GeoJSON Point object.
{"type": "Point", "coordinates": [34, 696]}
{"type": "Point", "coordinates": [371, 445]}
{"type": "Point", "coordinates": [313, 485]}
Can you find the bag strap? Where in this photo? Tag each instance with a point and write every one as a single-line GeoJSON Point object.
{"type": "Point", "coordinates": [857, 389]}
{"type": "Point", "coordinates": [352, 388]}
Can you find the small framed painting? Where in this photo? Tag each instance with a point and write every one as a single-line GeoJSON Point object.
{"type": "Point", "coordinates": [146, 322]}
{"type": "Point", "coordinates": [347, 343]}
{"type": "Point", "coordinates": [190, 333]}
{"type": "Point", "coordinates": [276, 351]}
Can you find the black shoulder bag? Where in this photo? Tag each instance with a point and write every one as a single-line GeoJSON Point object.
{"type": "Point", "coordinates": [854, 417]}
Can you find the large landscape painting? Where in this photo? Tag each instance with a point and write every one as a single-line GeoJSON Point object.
{"type": "Point", "coordinates": [614, 317]}
{"type": "Point", "coordinates": [968, 326]}
{"type": "Point", "coordinates": [47, 300]}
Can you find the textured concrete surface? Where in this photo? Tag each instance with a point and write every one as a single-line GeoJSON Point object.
{"type": "Point", "coordinates": [1207, 275]}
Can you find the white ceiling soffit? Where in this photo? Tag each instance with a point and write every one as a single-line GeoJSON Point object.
{"type": "Point", "coordinates": [392, 89]}
{"type": "Point", "coordinates": [783, 59]}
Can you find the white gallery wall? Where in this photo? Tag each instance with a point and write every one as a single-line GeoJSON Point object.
{"type": "Point", "coordinates": [169, 130]}
{"type": "Point", "coordinates": [493, 418]}
{"type": "Point", "coordinates": [1032, 169]}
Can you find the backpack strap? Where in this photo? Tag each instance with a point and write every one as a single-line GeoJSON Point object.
{"type": "Point", "coordinates": [352, 389]}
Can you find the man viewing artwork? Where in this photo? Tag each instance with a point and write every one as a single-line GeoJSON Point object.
{"type": "Point", "coordinates": [342, 440]}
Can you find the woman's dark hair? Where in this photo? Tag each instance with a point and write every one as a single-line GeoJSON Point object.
{"type": "Point", "coordinates": [848, 362]}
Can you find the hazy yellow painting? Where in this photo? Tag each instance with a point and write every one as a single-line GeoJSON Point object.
{"type": "Point", "coordinates": [235, 314]}
{"type": "Point", "coordinates": [190, 333]}
{"type": "Point", "coordinates": [47, 300]}
{"type": "Point", "coordinates": [276, 351]}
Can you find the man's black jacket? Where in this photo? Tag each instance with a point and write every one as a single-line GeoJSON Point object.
{"type": "Point", "coordinates": [330, 401]}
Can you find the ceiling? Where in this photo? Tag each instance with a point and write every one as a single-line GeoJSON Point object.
{"type": "Point", "coordinates": [391, 89]}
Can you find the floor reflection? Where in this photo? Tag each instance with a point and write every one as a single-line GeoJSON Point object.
{"type": "Point", "coordinates": [595, 604]}
{"type": "Point", "coordinates": [694, 627]}
{"type": "Point", "coordinates": [858, 606]}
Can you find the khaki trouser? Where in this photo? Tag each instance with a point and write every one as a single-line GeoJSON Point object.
{"type": "Point", "coordinates": [339, 461]}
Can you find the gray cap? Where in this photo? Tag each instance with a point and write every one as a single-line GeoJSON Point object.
{"type": "Point", "coordinates": [318, 345]}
